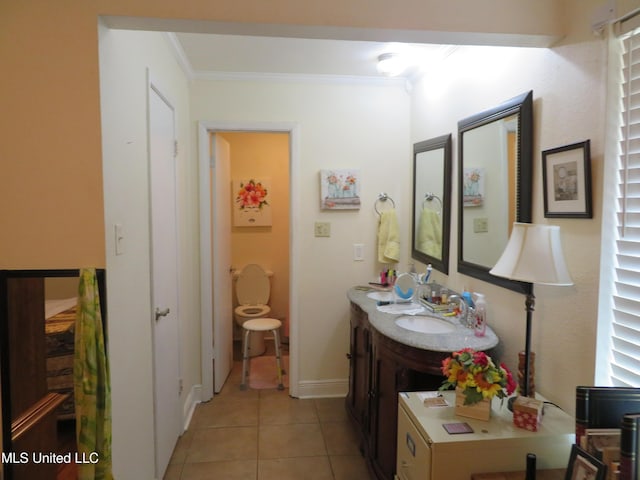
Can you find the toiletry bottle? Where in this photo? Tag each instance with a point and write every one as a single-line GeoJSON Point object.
{"type": "Point", "coordinates": [467, 298]}
{"type": "Point", "coordinates": [444, 296]}
{"type": "Point", "coordinates": [426, 292]}
{"type": "Point", "coordinates": [481, 315]}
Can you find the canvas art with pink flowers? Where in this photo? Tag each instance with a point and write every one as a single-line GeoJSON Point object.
{"type": "Point", "coordinates": [251, 203]}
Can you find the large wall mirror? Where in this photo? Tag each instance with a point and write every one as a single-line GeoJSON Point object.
{"type": "Point", "coordinates": [495, 170]}
{"type": "Point", "coordinates": [432, 202]}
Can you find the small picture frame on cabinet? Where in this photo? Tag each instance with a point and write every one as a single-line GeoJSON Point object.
{"type": "Point", "coordinates": [566, 180]}
{"type": "Point", "coordinates": [583, 465]}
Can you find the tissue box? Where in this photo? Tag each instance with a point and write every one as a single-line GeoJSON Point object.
{"type": "Point", "coordinates": [527, 413]}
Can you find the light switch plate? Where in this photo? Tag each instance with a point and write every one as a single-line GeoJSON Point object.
{"type": "Point", "coordinates": [322, 229]}
{"type": "Point", "coordinates": [480, 225]}
{"type": "Point", "coordinates": [358, 252]}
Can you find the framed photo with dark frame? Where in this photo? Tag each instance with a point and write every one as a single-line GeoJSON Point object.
{"type": "Point", "coordinates": [566, 180]}
{"type": "Point", "coordinates": [584, 466]}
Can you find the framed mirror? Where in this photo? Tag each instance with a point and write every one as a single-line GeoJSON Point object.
{"type": "Point", "coordinates": [432, 202]}
{"type": "Point", "coordinates": [495, 150]}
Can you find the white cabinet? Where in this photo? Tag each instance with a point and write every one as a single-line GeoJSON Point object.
{"type": "Point", "coordinates": [427, 452]}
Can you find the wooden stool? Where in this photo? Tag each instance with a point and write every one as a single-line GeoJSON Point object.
{"type": "Point", "coordinates": [260, 325]}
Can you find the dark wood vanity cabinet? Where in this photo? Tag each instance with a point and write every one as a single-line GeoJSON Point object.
{"type": "Point", "coordinates": [359, 370]}
{"type": "Point", "coordinates": [380, 368]}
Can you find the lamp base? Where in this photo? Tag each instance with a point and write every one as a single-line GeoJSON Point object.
{"type": "Point", "coordinates": [532, 369]}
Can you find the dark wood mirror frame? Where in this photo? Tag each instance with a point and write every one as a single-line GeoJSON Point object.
{"type": "Point", "coordinates": [522, 106]}
{"type": "Point", "coordinates": [438, 143]}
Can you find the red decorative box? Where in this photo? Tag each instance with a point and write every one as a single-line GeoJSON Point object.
{"type": "Point", "coordinates": [527, 413]}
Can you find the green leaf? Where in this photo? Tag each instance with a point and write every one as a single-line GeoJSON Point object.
{"type": "Point", "coordinates": [471, 396]}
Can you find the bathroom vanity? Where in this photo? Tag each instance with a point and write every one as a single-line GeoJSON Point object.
{"type": "Point", "coordinates": [385, 359]}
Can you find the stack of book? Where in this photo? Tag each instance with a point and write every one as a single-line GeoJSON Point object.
{"type": "Point", "coordinates": [607, 427]}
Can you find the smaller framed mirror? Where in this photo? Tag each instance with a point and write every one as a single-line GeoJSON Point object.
{"type": "Point", "coordinates": [432, 202]}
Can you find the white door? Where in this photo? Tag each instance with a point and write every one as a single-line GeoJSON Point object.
{"type": "Point", "coordinates": [164, 279]}
{"type": "Point", "coordinates": [222, 275]}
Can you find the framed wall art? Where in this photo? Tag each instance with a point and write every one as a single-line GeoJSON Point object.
{"type": "Point", "coordinates": [566, 179]}
{"type": "Point", "coordinates": [340, 189]}
{"type": "Point", "coordinates": [251, 207]}
{"type": "Point", "coordinates": [473, 187]}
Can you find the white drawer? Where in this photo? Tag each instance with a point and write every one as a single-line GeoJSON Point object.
{"type": "Point", "coordinates": [414, 453]}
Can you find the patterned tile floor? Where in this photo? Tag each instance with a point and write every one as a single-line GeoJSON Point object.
{"type": "Point", "coordinates": [267, 435]}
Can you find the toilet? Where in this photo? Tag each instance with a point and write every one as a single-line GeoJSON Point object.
{"type": "Point", "coordinates": [253, 288]}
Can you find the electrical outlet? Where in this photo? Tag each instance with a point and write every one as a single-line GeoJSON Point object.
{"type": "Point", "coordinates": [322, 229]}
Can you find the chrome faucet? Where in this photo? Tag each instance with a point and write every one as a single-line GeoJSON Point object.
{"type": "Point", "coordinates": [466, 311]}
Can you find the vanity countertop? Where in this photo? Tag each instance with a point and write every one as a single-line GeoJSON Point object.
{"type": "Point", "coordinates": [461, 337]}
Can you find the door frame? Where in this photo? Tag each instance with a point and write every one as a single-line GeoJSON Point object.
{"type": "Point", "coordinates": [206, 274]}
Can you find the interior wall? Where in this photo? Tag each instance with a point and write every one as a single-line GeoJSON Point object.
{"type": "Point", "coordinates": [51, 50]}
{"type": "Point", "coordinates": [568, 83]}
{"type": "Point", "coordinates": [341, 125]}
{"type": "Point", "coordinates": [259, 156]}
{"type": "Point", "coordinates": [127, 60]}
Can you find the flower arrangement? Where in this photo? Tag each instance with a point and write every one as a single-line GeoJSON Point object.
{"type": "Point", "coordinates": [251, 195]}
{"type": "Point", "coordinates": [477, 376]}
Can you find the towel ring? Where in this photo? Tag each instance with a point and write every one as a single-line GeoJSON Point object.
{"type": "Point", "coordinates": [429, 197]}
{"type": "Point", "coordinates": [383, 197]}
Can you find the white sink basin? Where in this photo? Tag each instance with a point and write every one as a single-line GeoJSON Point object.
{"type": "Point", "coordinates": [424, 324]}
{"type": "Point", "coordinates": [381, 296]}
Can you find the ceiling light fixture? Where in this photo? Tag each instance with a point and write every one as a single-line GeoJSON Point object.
{"type": "Point", "coordinates": [391, 64]}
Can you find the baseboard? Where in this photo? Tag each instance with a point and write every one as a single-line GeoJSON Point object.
{"type": "Point", "coordinates": [323, 388]}
{"type": "Point", "coordinates": [193, 399]}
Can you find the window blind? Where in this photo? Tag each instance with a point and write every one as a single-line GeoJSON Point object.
{"type": "Point", "coordinates": [625, 341]}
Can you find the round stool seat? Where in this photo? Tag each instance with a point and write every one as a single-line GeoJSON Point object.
{"type": "Point", "coordinates": [262, 324]}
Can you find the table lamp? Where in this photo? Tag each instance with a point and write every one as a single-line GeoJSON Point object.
{"type": "Point", "coordinates": [534, 255]}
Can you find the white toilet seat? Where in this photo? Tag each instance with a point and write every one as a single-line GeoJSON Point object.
{"type": "Point", "coordinates": [252, 311]}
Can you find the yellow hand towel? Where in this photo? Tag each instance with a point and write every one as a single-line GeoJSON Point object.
{"type": "Point", "coordinates": [430, 233]}
{"type": "Point", "coordinates": [388, 237]}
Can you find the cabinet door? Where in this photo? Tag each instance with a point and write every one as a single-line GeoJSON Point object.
{"type": "Point", "coordinates": [359, 368]}
{"type": "Point", "coordinates": [384, 414]}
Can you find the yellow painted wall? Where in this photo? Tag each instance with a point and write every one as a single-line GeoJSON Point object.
{"type": "Point", "coordinates": [260, 156]}
{"type": "Point", "coordinates": [51, 201]}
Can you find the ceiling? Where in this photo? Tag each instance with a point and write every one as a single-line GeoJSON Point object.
{"type": "Point", "coordinates": [214, 54]}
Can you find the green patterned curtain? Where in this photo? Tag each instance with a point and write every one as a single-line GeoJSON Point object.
{"type": "Point", "coordinates": [91, 384]}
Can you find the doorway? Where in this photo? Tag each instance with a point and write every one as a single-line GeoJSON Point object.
{"type": "Point", "coordinates": [246, 135]}
{"type": "Point", "coordinates": [260, 163]}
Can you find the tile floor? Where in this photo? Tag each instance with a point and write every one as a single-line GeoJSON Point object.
{"type": "Point", "coordinates": [267, 435]}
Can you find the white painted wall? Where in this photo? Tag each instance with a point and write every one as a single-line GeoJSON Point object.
{"type": "Point", "coordinates": [569, 91]}
{"type": "Point", "coordinates": [344, 125]}
{"type": "Point", "coordinates": [124, 59]}
{"type": "Point", "coordinates": [370, 127]}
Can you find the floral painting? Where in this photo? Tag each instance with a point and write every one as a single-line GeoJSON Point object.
{"type": "Point", "coordinates": [339, 189]}
{"type": "Point", "coordinates": [251, 207]}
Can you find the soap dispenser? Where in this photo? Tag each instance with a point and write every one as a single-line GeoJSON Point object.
{"type": "Point", "coordinates": [481, 315]}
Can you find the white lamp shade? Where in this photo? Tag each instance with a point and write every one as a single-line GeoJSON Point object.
{"type": "Point", "coordinates": [534, 254]}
